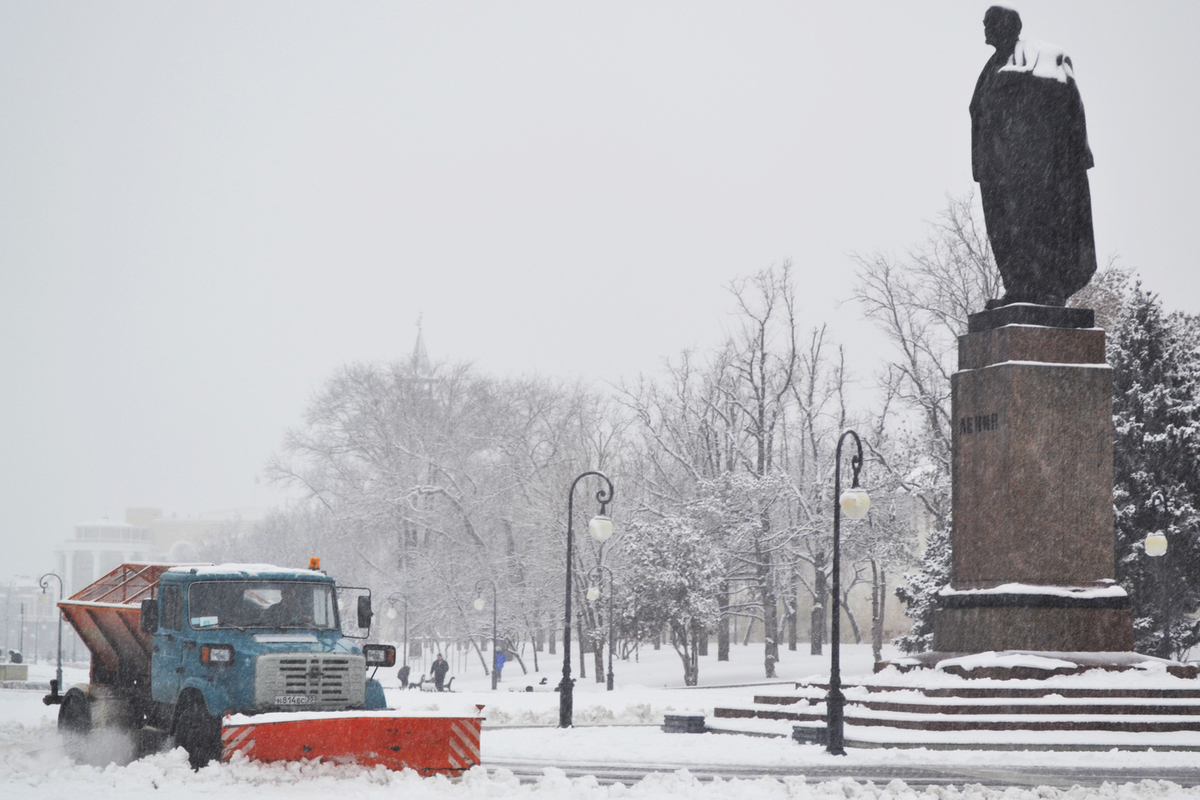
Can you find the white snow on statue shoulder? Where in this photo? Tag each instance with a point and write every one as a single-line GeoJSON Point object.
{"type": "Point", "coordinates": [1081, 592]}
{"type": "Point", "coordinates": [1042, 59]}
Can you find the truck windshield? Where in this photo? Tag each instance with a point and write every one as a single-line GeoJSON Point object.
{"type": "Point", "coordinates": [262, 604]}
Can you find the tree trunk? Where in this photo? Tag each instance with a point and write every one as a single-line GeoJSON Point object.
{"type": "Point", "coordinates": [520, 661]}
{"type": "Point", "coordinates": [845, 606]}
{"type": "Point", "coordinates": [551, 633]}
{"type": "Point", "coordinates": [749, 630]}
{"type": "Point", "coordinates": [770, 607]}
{"type": "Point", "coordinates": [878, 598]}
{"type": "Point", "coordinates": [821, 591]}
{"type": "Point", "coordinates": [770, 631]}
{"type": "Point", "coordinates": [791, 603]}
{"type": "Point", "coordinates": [636, 636]}
{"type": "Point", "coordinates": [598, 649]}
{"type": "Point", "coordinates": [723, 624]}
{"type": "Point", "coordinates": [696, 633]}
{"type": "Point", "coordinates": [482, 659]}
{"type": "Point", "coordinates": [691, 665]}
{"type": "Point", "coordinates": [582, 646]}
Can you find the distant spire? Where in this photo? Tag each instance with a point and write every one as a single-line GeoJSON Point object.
{"type": "Point", "coordinates": [420, 358]}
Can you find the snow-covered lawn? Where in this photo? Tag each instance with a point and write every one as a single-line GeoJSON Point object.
{"type": "Point", "coordinates": [619, 727]}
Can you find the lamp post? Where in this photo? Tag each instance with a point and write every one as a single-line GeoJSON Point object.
{"type": "Point", "coordinates": [600, 528]}
{"type": "Point", "coordinates": [44, 582]}
{"type": "Point", "coordinates": [479, 603]}
{"type": "Point", "coordinates": [855, 503]}
{"type": "Point", "coordinates": [392, 615]}
{"type": "Point", "coordinates": [593, 594]}
{"type": "Point", "coordinates": [1156, 547]}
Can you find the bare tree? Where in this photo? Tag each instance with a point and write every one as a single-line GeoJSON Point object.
{"type": "Point", "coordinates": [749, 427]}
{"type": "Point", "coordinates": [764, 366]}
{"type": "Point", "coordinates": [922, 303]}
{"type": "Point", "coordinates": [820, 416]}
{"type": "Point", "coordinates": [428, 478]}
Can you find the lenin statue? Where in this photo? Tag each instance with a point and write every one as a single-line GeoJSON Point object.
{"type": "Point", "coordinates": [1030, 155]}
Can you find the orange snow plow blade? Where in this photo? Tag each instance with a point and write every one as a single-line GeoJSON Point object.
{"type": "Point", "coordinates": [393, 739]}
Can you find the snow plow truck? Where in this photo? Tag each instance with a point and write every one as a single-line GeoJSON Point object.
{"type": "Point", "coordinates": [244, 659]}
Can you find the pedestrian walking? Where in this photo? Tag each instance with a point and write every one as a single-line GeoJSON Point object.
{"type": "Point", "coordinates": [439, 670]}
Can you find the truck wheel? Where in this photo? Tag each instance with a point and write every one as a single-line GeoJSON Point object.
{"type": "Point", "coordinates": [198, 732]}
{"type": "Point", "coordinates": [75, 724]}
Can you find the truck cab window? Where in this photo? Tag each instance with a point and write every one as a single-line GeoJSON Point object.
{"type": "Point", "coordinates": [171, 612]}
{"type": "Point", "coordinates": [262, 604]}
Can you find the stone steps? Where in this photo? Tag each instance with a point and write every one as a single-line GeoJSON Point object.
{"type": "Point", "coordinates": [817, 691]}
{"type": "Point", "coordinates": [1002, 707]}
{"type": "Point", "coordinates": [1069, 715]}
{"type": "Point", "coordinates": [935, 721]}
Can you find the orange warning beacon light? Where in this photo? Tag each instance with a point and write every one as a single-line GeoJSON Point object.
{"type": "Point", "coordinates": [314, 563]}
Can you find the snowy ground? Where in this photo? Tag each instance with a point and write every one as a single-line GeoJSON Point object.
{"type": "Point", "coordinates": [619, 727]}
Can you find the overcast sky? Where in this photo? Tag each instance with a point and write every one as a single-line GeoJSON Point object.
{"type": "Point", "coordinates": [205, 208]}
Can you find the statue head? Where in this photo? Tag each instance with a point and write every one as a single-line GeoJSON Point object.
{"type": "Point", "coordinates": [1001, 27]}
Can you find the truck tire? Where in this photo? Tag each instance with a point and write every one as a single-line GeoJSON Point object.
{"type": "Point", "coordinates": [75, 724]}
{"type": "Point", "coordinates": [198, 732]}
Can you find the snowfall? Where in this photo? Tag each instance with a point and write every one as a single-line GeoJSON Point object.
{"type": "Point", "coordinates": [621, 728]}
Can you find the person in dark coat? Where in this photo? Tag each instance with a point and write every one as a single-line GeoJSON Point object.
{"type": "Point", "coordinates": [403, 676]}
{"type": "Point", "coordinates": [1030, 155]}
{"type": "Point", "coordinates": [439, 670]}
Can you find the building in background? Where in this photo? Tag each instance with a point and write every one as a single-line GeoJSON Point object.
{"type": "Point", "coordinates": [146, 534]}
{"type": "Point", "coordinates": [99, 547]}
{"type": "Point", "coordinates": [30, 623]}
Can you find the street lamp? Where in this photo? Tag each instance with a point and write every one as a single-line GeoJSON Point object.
{"type": "Point", "coordinates": [601, 529]}
{"type": "Point", "coordinates": [479, 603]}
{"type": "Point", "coordinates": [391, 614]}
{"type": "Point", "coordinates": [1156, 547]}
{"type": "Point", "coordinates": [44, 582]}
{"type": "Point", "coordinates": [593, 594]}
{"type": "Point", "coordinates": [855, 503]}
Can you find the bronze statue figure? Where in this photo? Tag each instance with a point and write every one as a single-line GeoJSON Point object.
{"type": "Point", "coordinates": [1030, 155]}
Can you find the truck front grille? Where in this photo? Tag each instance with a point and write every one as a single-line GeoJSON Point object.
{"type": "Point", "coordinates": [309, 681]}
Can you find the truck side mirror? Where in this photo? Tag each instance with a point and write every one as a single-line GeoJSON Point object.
{"type": "Point", "coordinates": [364, 611]}
{"type": "Point", "coordinates": [149, 616]}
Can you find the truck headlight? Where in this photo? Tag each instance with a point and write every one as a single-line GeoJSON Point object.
{"type": "Point", "coordinates": [216, 655]}
{"type": "Point", "coordinates": [379, 655]}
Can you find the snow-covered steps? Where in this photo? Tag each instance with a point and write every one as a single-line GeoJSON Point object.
{"type": "Point", "coordinates": [1093, 710]}
{"type": "Point", "coordinates": [1011, 739]}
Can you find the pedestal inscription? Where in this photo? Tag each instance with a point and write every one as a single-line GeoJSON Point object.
{"type": "Point", "coordinates": [1032, 475]}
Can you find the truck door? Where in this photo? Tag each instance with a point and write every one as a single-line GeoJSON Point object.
{"type": "Point", "coordinates": [166, 667]}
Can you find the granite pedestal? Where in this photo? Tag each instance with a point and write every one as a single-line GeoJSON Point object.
{"type": "Point", "coordinates": [1032, 565]}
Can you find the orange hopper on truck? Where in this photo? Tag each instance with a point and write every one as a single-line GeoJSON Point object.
{"type": "Point", "coordinates": [243, 659]}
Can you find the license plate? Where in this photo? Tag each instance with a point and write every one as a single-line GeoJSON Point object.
{"type": "Point", "coordinates": [292, 700]}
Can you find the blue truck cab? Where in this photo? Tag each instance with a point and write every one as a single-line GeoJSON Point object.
{"type": "Point", "coordinates": [251, 638]}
